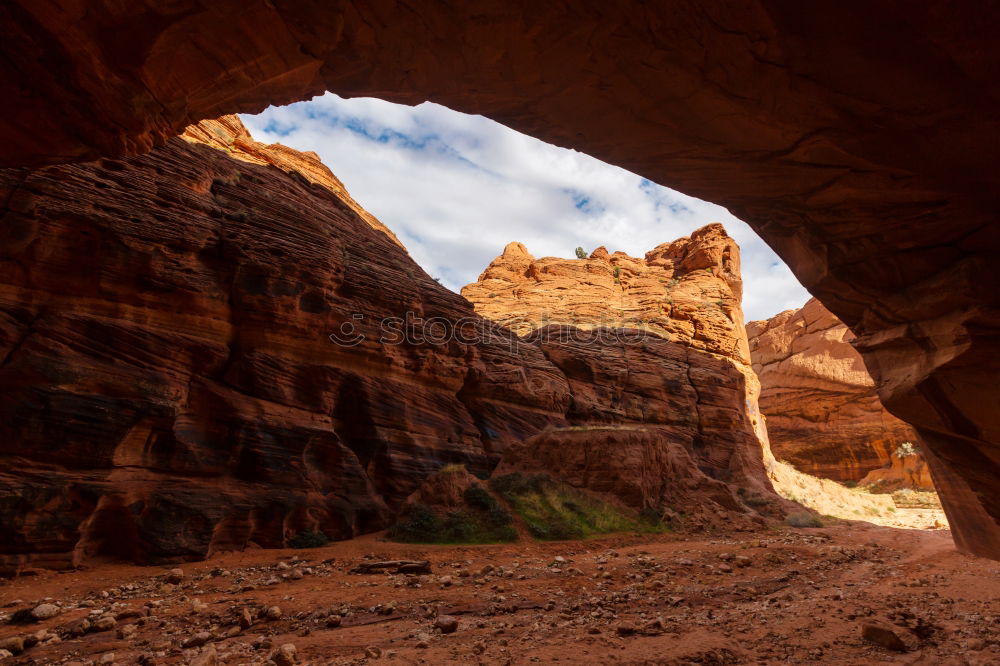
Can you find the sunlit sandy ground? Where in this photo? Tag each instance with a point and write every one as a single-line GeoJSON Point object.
{"type": "Point", "coordinates": [830, 498]}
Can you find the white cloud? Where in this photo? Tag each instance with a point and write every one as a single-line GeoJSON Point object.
{"type": "Point", "coordinates": [457, 188]}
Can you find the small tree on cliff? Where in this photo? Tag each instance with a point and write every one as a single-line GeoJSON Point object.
{"type": "Point", "coordinates": [581, 253]}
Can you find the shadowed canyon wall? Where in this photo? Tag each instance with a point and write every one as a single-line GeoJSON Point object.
{"type": "Point", "coordinates": [859, 138]}
{"type": "Point", "coordinates": [823, 414]}
{"type": "Point", "coordinates": [169, 386]}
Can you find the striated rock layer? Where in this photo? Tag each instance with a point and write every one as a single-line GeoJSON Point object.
{"type": "Point", "coordinates": [211, 346]}
{"type": "Point", "coordinates": [823, 413]}
{"type": "Point", "coordinates": [638, 339]}
{"type": "Point", "coordinates": [169, 387]}
{"type": "Point", "coordinates": [861, 146]}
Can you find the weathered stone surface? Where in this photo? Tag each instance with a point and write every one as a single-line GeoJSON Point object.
{"type": "Point", "coordinates": [861, 146]}
{"type": "Point", "coordinates": [228, 133]}
{"type": "Point", "coordinates": [823, 413]}
{"type": "Point", "coordinates": [893, 638]}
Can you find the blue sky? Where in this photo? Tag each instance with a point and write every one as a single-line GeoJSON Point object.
{"type": "Point", "coordinates": [457, 188]}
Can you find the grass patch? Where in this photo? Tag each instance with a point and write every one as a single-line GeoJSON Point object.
{"type": "Point", "coordinates": [481, 520]}
{"type": "Point", "coordinates": [555, 511]}
{"type": "Point", "coordinates": [803, 519]}
{"type": "Point", "coordinates": [756, 500]}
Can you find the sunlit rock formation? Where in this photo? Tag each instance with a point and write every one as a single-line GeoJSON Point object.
{"type": "Point", "coordinates": [657, 341]}
{"type": "Point", "coordinates": [823, 413]}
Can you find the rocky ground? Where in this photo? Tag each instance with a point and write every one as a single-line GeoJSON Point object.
{"type": "Point", "coordinates": [847, 594]}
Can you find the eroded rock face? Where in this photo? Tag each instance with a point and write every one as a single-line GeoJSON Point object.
{"type": "Point", "coordinates": [169, 387]}
{"type": "Point", "coordinates": [657, 341]}
{"type": "Point", "coordinates": [651, 468]}
{"type": "Point", "coordinates": [858, 145]}
{"type": "Point", "coordinates": [823, 413]}
{"type": "Point", "coordinates": [906, 469]}
{"type": "Point", "coordinates": [178, 378]}
{"type": "Point", "coordinates": [688, 291]}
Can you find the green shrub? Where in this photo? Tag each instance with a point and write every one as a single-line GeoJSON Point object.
{"type": "Point", "coordinates": [308, 540]}
{"type": "Point", "coordinates": [477, 497]}
{"type": "Point", "coordinates": [553, 510]}
{"type": "Point", "coordinates": [483, 520]}
{"type": "Point", "coordinates": [803, 519]}
{"type": "Point", "coordinates": [419, 524]}
{"type": "Point", "coordinates": [580, 253]}
{"type": "Point", "coordinates": [650, 516]}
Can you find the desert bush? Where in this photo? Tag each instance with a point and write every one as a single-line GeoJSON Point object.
{"type": "Point", "coordinates": [420, 524]}
{"type": "Point", "coordinates": [650, 516]}
{"type": "Point", "coordinates": [313, 539]}
{"type": "Point", "coordinates": [479, 498]}
{"type": "Point", "coordinates": [803, 519]}
{"type": "Point", "coordinates": [756, 500]}
{"type": "Point", "coordinates": [580, 253]}
{"type": "Point", "coordinates": [483, 520]}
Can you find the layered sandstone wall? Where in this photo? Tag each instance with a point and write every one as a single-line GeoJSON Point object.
{"type": "Point", "coordinates": [169, 387]}
{"type": "Point", "coordinates": [823, 413]}
{"type": "Point", "coordinates": [658, 341]}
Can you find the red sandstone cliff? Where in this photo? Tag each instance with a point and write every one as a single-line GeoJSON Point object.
{"type": "Point", "coordinates": [657, 341]}
{"type": "Point", "coordinates": [169, 387]}
{"type": "Point", "coordinates": [823, 413]}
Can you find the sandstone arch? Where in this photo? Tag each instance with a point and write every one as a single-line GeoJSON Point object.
{"type": "Point", "coordinates": [860, 139]}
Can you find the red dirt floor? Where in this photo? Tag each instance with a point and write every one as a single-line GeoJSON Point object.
{"type": "Point", "coordinates": [784, 595]}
